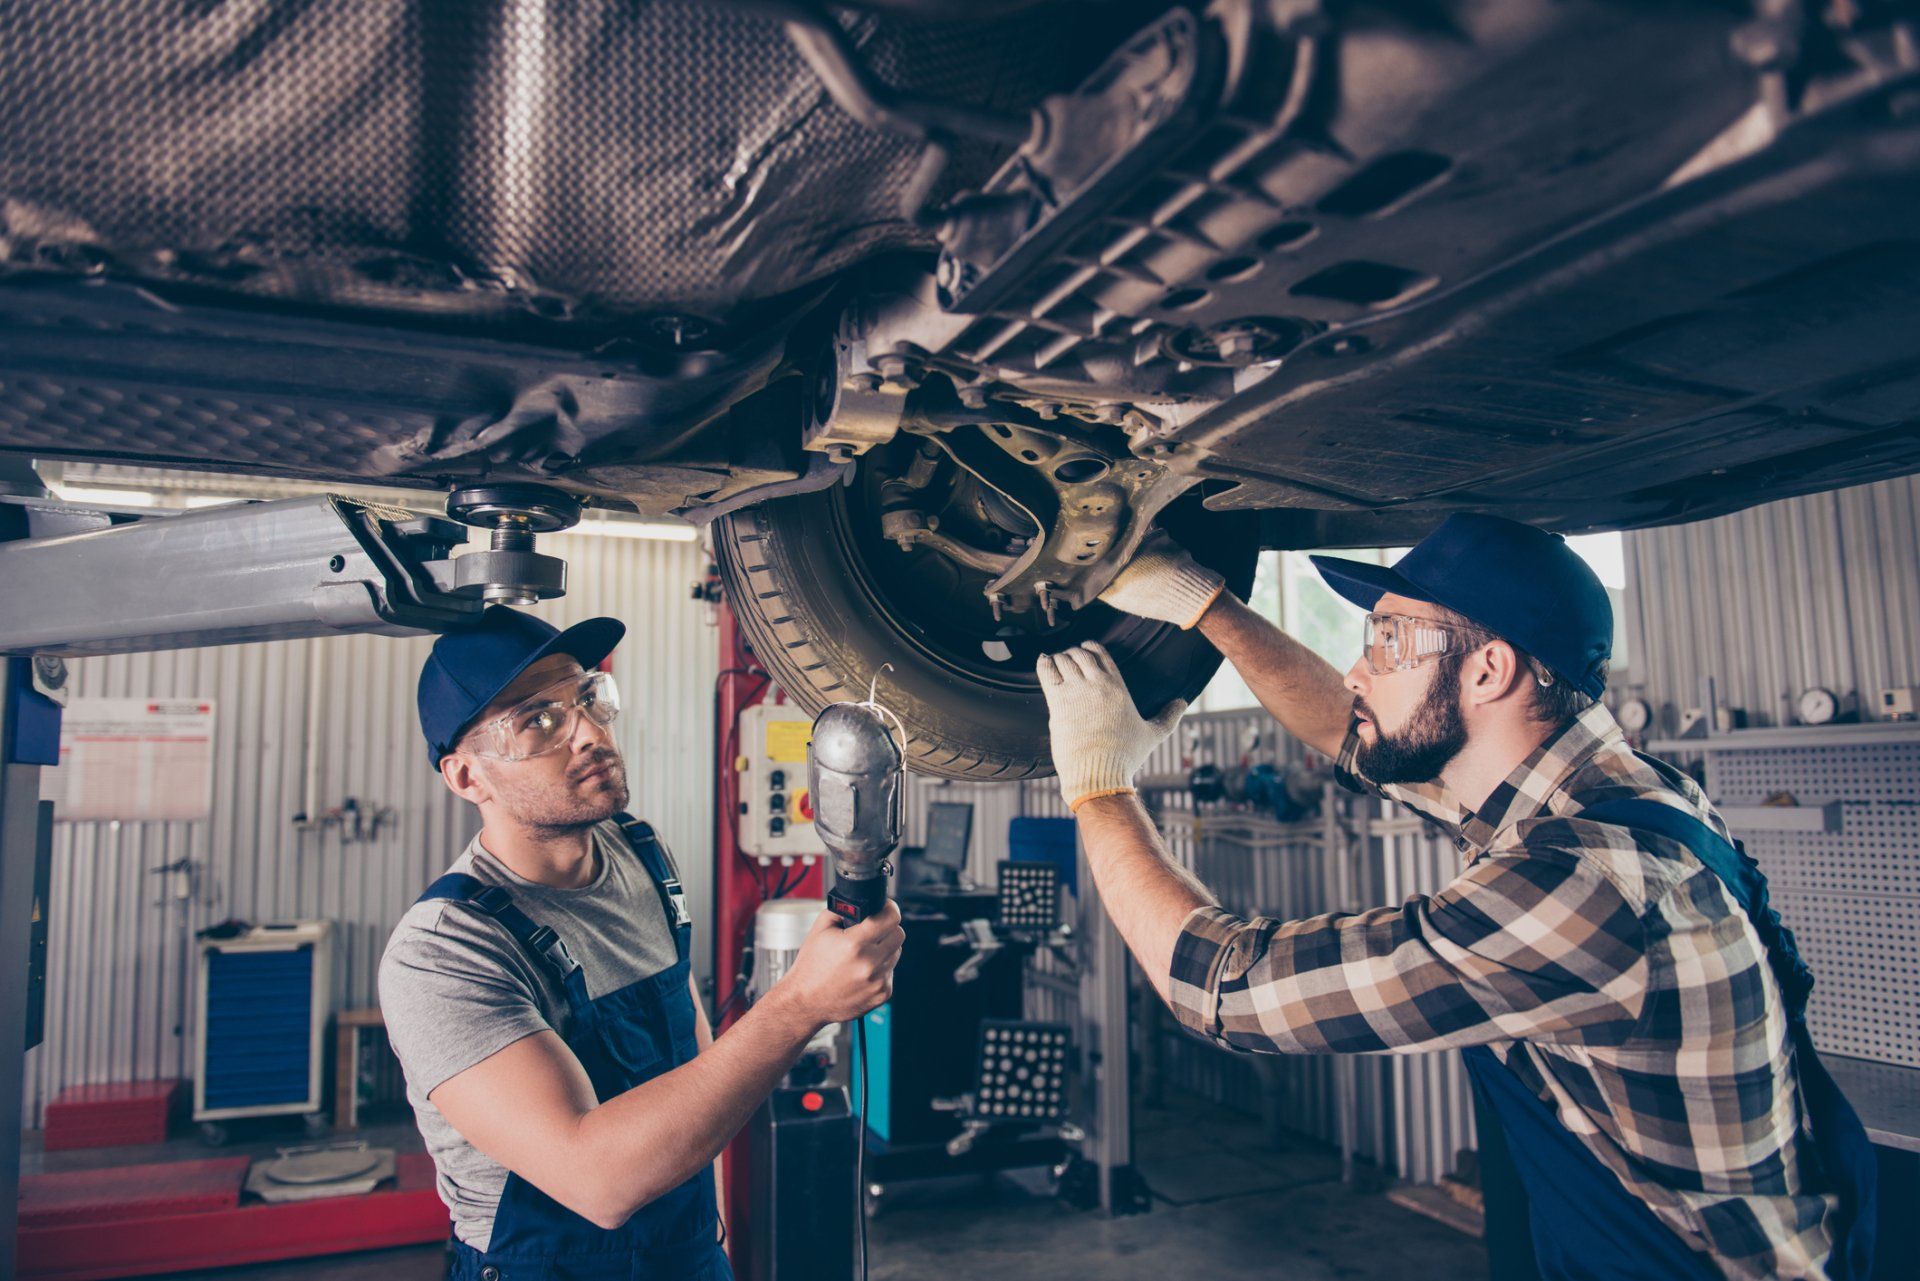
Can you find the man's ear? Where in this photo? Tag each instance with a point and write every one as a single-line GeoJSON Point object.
{"type": "Point", "coordinates": [1494, 671]}
{"type": "Point", "coordinates": [463, 778]}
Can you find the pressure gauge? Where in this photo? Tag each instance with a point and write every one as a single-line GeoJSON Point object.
{"type": "Point", "coordinates": [1635, 715]}
{"type": "Point", "coordinates": [1817, 706]}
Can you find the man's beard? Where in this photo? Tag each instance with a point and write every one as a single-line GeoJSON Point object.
{"type": "Point", "coordinates": [560, 807]}
{"type": "Point", "coordinates": [1431, 738]}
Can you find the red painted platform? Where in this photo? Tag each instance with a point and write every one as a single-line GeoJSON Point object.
{"type": "Point", "coordinates": [117, 1114]}
{"type": "Point", "coordinates": [143, 1243]}
{"type": "Point", "coordinates": [132, 1192]}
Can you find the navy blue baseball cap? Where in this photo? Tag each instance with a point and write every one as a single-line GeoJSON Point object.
{"type": "Point", "coordinates": [469, 668]}
{"type": "Point", "coordinates": [1523, 584]}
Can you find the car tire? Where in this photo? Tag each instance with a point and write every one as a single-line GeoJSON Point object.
{"type": "Point", "coordinates": [794, 575]}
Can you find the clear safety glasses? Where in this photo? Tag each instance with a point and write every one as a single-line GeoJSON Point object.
{"type": "Point", "coordinates": [1396, 642]}
{"type": "Point", "coordinates": [547, 721]}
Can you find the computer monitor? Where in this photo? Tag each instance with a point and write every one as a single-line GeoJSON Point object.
{"type": "Point", "coordinates": [949, 830]}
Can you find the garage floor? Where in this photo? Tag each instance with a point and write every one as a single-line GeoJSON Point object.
{"type": "Point", "coordinates": [1222, 1197]}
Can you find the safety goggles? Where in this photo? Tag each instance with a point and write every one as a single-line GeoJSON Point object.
{"type": "Point", "coordinates": [1397, 642]}
{"type": "Point", "coordinates": [547, 721]}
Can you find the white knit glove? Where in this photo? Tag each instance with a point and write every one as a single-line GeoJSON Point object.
{"type": "Point", "coordinates": [1099, 741]}
{"type": "Point", "coordinates": [1162, 581]}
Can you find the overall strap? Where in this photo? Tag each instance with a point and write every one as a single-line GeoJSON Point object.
{"type": "Point", "coordinates": [539, 941]}
{"type": "Point", "coordinates": [673, 897]}
{"type": "Point", "coordinates": [1840, 1140]}
{"type": "Point", "coordinates": [1736, 870]}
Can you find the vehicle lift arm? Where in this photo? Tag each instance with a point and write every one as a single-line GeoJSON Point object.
{"type": "Point", "coordinates": [80, 580]}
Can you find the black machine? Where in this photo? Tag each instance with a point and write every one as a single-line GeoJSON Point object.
{"type": "Point", "coordinates": [801, 1143]}
{"type": "Point", "coordinates": [922, 1043]}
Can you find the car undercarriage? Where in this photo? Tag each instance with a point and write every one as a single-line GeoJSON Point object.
{"type": "Point", "coordinates": [935, 311]}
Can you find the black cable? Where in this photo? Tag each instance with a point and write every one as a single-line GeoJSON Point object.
{"type": "Point", "coordinates": [860, 1149]}
{"type": "Point", "coordinates": [739, 990]}
{"type": "Point", "coordinates": [790, 879]}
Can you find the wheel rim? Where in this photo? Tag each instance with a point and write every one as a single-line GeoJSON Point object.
{"type": "Point", "coordinates": [952, 632]}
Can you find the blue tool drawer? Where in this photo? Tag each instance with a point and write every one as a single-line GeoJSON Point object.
{"type": "Point", "coordinates": [259, 1028]}
{"type": "Point", "coordinates": [264, 1004]}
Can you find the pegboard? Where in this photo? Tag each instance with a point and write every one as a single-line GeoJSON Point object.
{"type": "Point", "coordinates": [1851, 897]}
{"type": "Point", "coordinates": [1828, 772]}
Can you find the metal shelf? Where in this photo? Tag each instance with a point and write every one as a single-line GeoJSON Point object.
{"type": "Point", "coordinates": [1782, 818]}
{"type": "Point", "coordinates": [1886, 1095]}
{"type": "Point", "coordinates": [1865, 734]}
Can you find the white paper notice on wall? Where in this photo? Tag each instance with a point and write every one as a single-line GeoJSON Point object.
{"type": "Point", "coordinates": [133, 759]}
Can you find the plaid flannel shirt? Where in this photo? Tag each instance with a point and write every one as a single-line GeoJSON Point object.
{"type": "Point", "coordinates": [1610, 970]}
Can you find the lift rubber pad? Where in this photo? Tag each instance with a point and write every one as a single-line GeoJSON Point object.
{"type": "Point", "coordinates": [142, 1243]}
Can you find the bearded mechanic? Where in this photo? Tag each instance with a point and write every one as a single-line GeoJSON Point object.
{"type": "Point", "coordinates": [558, 1061]}
{"type": "Point", "coordinates": [1631, 1048]}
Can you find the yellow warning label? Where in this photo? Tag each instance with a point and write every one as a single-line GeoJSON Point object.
{"type": "Point", "coordinates": [787, 740]}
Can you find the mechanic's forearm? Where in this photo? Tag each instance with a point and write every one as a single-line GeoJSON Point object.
{"type": "Point", "coordinates": [1147, 894]}
{"type": "Point", "coordinates": [660, 1133]}
{"type": "Point", "coordinates": [1301, 689]}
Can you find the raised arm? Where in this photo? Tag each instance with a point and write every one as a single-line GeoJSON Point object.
{"type": "Point", "coordinates": [1298, 687]}
{"type": "Point", "coordinates": [531, 1107]}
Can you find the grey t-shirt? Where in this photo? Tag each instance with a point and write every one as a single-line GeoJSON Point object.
{"type": "Point", "coordinates": [455, 989]}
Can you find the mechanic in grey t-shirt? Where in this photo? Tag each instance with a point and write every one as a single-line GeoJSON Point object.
{"type": "Point", "coordinates": [562, 1073]}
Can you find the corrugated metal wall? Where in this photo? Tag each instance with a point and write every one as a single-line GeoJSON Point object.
{"type": "Point", "coordinates": [121, 933]}
{"type": "Point", "coordinates": [1822, 590]}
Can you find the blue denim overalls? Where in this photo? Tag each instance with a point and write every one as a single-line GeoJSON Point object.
{"type": "Point", "coordinates": [622, 1039]}
{"type": "Point", "coordinates": [1583, 1222]}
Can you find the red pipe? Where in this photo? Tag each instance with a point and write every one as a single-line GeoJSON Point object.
{"type": "Point", "coordinates": [739, 884]}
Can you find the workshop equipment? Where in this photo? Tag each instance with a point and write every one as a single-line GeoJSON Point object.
{"type": "Point", "coordinates": [264, 998]}
{"type": "Point", "coordinates": [131, 1192]}
{"type": "Point", "coordinates": [1029, 896]}
{"type": "Point", "coordinates": [186, 1217]}
{"type": "Point", "coordinates": [803, 1207]}
{"type": "Point", "coordinates": [776, 804]}
{"type": "Point", "coordinates": [920, 1046]}
{"type": "Point", "coordinates": [779, 928]}
{"type": "Point", "coordinates": [320, 1170]}
{"type": "Point", "coordinates": [1019, 1083]}
{"type": "Point", "coordinates": [949, 834]}
{"type": "Point", "coordinates": [855, 770]}
{"type": "Point", "coordinates": [117, 1114]}
{"type": "Point", "coordinates": [154, 580]}
{"type": "Point", "coordinates": [1047, 840]}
